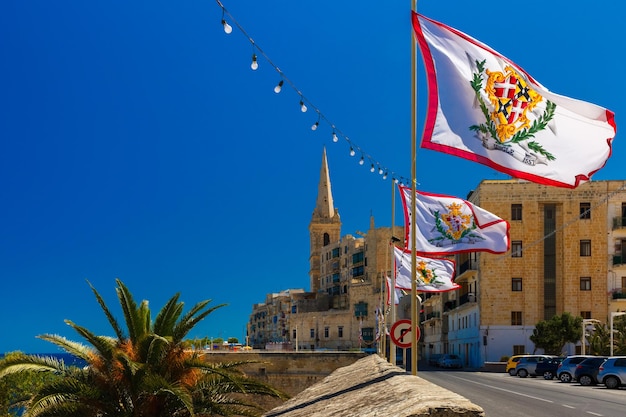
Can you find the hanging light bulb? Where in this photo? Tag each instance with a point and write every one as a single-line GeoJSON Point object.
{"type": "Point", "coordinates": [255, 64]}
{"type": "Point", "coordinates": [380, 170]}
{"type": "Point", "coordinates": [227, 28]}
{"type": "Point", "coordinates": [361, 161]}
{"type": "Point", "coordinates": [303, 108]}
{"type": "Point", "coordinates": [385, 176]}
{"type": "Point", "coordinates": [335, 138]}
{"type": "Point", "coordinates": [352, 153]}
{"type": "Point", "coordinates": [315, 125]}
{"type": "Point", "coordinates": [372, 169]}
{"type": "Point", "coordinates": [279, 86]}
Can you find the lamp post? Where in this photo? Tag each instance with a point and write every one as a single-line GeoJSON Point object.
{"type": "Point", "coordinates": [613, 315]}
{"type": "Point", "coordinates": [585, 323]}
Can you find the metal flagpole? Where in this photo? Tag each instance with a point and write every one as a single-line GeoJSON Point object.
{"type": "Point", "coordinates": [414, 316]}
{"type": "Point", "coordinates": [392, 290]}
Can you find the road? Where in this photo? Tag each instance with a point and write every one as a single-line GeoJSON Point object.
{"type": "Point", "coordinates": [502, 395]}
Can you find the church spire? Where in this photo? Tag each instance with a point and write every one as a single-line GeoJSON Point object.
{"type": "Point", "coordinates": [324, 208]}
{"type": "Point", "coordinates": [325, 226]}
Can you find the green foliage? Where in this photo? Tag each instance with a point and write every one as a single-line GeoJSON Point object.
{"type": "Point", "coordinates": [551, 335]}
{"type": "Point", "coordinates": [17, 388]}
{"type": "Point", "coordinates": [147, 370]}
{"type": "Point", "coordinates": [233, 340]}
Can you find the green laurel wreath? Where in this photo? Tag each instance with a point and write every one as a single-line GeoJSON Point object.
{"type": "Point", "coordinates": [490, 128]}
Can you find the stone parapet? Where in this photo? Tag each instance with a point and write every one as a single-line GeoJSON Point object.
{"type": "Point", "coordinates": [372, 387]}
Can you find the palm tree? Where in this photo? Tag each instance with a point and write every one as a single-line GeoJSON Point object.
{"type": "Point", "coordinates": [145, 370]}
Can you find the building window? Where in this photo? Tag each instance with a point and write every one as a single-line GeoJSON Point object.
{"type": "Point", "coordinates": [312, 333]}
{"type": "Point", "coordinates": [294, 334]}
{"type": "Point", "coordinates": [358, 271]}
{"type": "Point", "coordinates": [335, 253]}
{"type": "Point", "coordinates": [585, 248]}
{"type": "Point", "coordinates": [585, 210]}
{"type": "Point", "coordinates": [360, 309]}
{"type": "Point", "coordinates": [516, 318]}
{"type": "Point", "coordinates": [519, 349]}
{"type": "Point", "coordinates": [326, 332]}
{"type": "Point", "coordinates": [585, 283]}
{"type": "Point", "coordinates": [516, 284]}
{"type": "Point", "coordinates": [326, 239]}
{"type": "Point", "coordinates": [358, 258]}
{"type": "Point", "coordinates": [585, 314]}
{"type": "Point", "coordinates": [340, 331]}
{"type": "Point", "coordinates": [516, 212]}
{"type": "Point", "coordinates": [516, 249]}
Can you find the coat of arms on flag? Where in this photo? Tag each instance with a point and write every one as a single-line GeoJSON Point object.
{"type": "Point", "coordinates": [432, 274]}
{"type": "Point", "coordinates": [511, 107]}
{"type": "Point", "coordinates": [485, 108]}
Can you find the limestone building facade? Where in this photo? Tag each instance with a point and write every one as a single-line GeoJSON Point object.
{"type": "Point", "coordinates": [565, 256]}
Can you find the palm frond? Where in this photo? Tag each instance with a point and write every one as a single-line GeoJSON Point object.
{"type": "Point", "coordinates": [114, 324]}
{"type": "Point", "coordinates": [129, 308]}
{"type": "Point", "coordinates": [193, 317]}
{"type": "Point", "coordinates": [167, 316]}
{"type": "Point", "coordinates": [103, 345]}
{"type": "Point", "coordinates": [31, 363]}
{"type": "Point", "coordinates": [77, 349]}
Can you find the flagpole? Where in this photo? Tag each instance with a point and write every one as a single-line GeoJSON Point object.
{"type": "Point", "coordinates": [392, 290]}
{"type": "Point", "coordinates": [414, 324]}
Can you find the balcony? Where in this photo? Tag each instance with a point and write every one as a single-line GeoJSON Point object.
{"type": "Point", "coordinates": [619, 223]}
{"type": "Point", "coordinates": [618, 260]}
{"type": "Point", "coordinates": [619, 294]}
{"type": "Point", "coordinates": [467, 270]}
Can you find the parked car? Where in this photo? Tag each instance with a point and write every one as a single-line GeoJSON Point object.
{"type": "Point", "coordinates": [528, 364]}
{"type": "Point", "coordinates": [450, 361]}
{"type": "Point", "coordinates": [433, 359]}
{"type": "Point", "coordinates": [612, 373]}
{"type": "Point", "coordinates": [586, 372]}
{"type": "Point", "coordinates": [566, 369]}
{"type": "Point", "coordinates": [512, 364]}
{"type": "Point", "coordinates": [548, 368]}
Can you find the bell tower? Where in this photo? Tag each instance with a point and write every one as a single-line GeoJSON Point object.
{"type": "Point", "coordinates": [325, 226]}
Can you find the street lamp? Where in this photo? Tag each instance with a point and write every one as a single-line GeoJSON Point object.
{"type": "Point", "coordinates": [585, 322]}
{"type": "Point", "coordinates": [613, 315]}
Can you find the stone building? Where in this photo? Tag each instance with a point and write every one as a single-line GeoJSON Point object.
{"type": "Point", "coordinates": [346, 277]}
{"type": "Point", "coordinates": [567, 255]}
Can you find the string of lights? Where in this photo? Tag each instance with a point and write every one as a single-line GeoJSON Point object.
{"type": "Point", "coordinates": [305, 104]}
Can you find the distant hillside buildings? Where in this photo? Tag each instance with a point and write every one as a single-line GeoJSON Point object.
{"type": "Point", "coordinates": [568, 254]}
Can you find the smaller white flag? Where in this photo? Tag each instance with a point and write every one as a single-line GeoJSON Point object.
{"type": "Point", "coordinates": [398, 294]}
{"type": "Point", "coordinates": [448, 225]}
{"type": "Point", "coordinates": [432, 275]}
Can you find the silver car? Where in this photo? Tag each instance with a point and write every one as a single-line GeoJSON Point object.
{"type": "Point", "coordinates": [528, 364]}
{"type": "Point", "coordinates": [612, 373]}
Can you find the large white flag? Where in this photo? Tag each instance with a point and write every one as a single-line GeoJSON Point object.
{"type": "Point", "coordinates": [447, 225]}
{"type": "Point", "coordinates": [485, 108]}
{"type": "Point", "coordinates": [432, 275]}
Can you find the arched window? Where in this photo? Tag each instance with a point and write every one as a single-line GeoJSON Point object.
{"type": "Point", "coordinates": [326, 239]}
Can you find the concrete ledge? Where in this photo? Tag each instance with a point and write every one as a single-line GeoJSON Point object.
{"type": "Point", "coordinates": [372, 387]}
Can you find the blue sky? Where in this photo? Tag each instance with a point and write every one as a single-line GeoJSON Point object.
{"type": "Point", "coordinates": [137, 142]}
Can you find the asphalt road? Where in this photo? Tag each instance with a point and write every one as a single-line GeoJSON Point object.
{"type": "Point", "coordinates": [502, 395]}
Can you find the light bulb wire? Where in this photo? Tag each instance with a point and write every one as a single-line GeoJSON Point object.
{"type": "Point", "coordinates": [303, 99]}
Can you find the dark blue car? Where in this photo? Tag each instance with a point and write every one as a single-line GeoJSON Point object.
{"type": "Point", "coordinates": [586, 372]}
{"type": "Point", "coordinates": [548, 368]}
